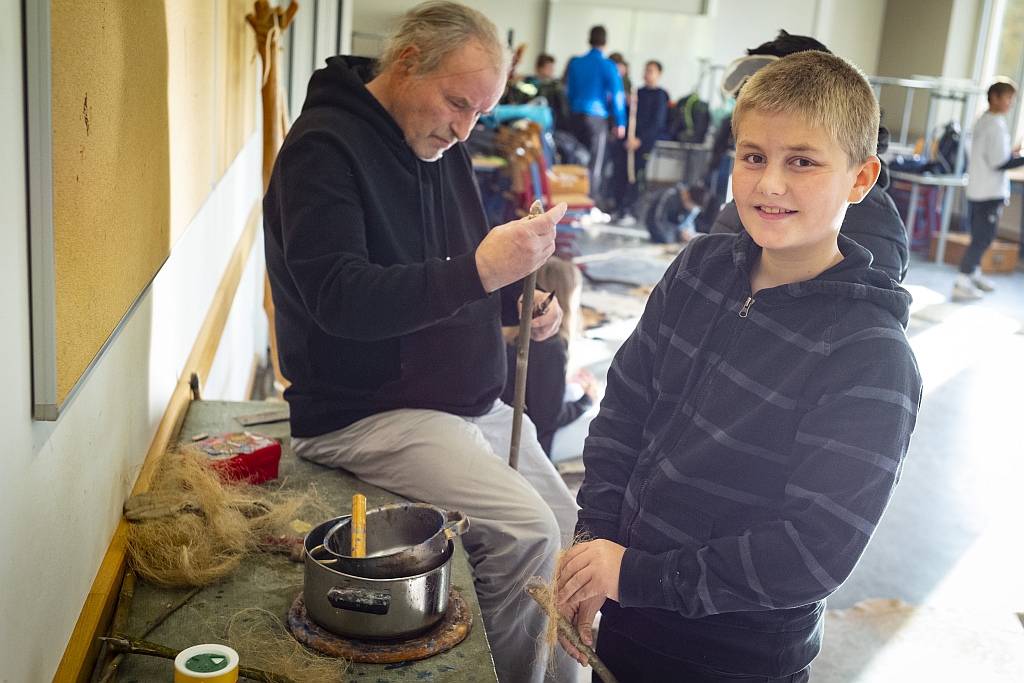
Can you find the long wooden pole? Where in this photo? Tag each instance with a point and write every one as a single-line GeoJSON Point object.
{"type": "Point", "coordinates": [269, 23]}
{"type": "Point", "coordinates": [630, 136]}
{"type": "Point", "coordinates": [523, 355]}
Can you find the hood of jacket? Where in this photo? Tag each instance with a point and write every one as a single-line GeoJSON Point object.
{"type": "Point", "coordinates": [342, 85]}
{"type": "Point", "coordinates": [852, 278]}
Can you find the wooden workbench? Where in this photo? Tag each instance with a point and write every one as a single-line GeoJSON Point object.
{"type": "Point", "coordinates": [273, 582]}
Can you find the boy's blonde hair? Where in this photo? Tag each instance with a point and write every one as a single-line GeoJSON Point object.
{"type": "Point", "coordinates": [828, 90]}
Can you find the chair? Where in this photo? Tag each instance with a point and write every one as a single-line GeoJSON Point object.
{"type": "Point", "coordinates": [928, 210]}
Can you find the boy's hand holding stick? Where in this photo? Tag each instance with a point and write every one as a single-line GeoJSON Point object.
{"type": "Point", "coordinates": [539, 591]}
{"type": "Point", "coordinates": [587, 575]}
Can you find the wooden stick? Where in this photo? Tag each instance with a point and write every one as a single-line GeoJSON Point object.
{"type": "Point", "coordinates": [358, 531]}
{"type": "Point", "coordinates": [133, 646]}
{"type": "Point", "coordinates": [523, 355]}
{"type": "Point", "coordinates": [631, 135]}
{"type": "Point", "coordinates": [117, 624]}
{"type": "Point", "coordinates": [111, 668]}
{"type": "Point", "coordinates": [171, 609]}
{"type": "Point", "coordinates": [269, 23]}
{"type": "Point", "coordinates": [537, 590]}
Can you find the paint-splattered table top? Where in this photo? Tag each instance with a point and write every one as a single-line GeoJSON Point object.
{"type": "Point", "coordinates": [272, 582]}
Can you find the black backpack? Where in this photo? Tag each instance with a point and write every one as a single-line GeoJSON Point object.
{"type": "Point", "coordinates": [569, 149]}
{"type": "Point", "coordinates": [647, 212]}
{"type": "Point", "coordinates": [689, 119]}
{"type": "Point", "coordinates": [949, 144]}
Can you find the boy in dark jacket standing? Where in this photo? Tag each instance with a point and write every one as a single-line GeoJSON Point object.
{"type": "Point", "coordinates": [756, 421]}
{"type": "Point", "coordinates": [651, 104]}
{"type": "Point", "coordinates": [388, 290]}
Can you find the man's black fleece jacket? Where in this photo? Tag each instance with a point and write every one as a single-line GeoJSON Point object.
{"type": "Point", "coordinates": [371, 258]}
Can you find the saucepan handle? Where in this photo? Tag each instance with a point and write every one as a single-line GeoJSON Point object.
{"type": "Point", "coordinates": [456, 525]}
{"type": "Point", "coordinates": [356, 600]}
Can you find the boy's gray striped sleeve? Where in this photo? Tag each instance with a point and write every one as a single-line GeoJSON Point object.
{"type": "Point", "coordinates": [616, 434]}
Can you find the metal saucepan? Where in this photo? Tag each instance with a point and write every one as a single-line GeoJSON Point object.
{"type": "Point", "coordinates": [371, 608]}
{"type": "Point", "coordinates": [402, 539]}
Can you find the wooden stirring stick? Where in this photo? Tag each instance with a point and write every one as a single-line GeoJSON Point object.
{"type": "Point", "coordinates": [523, 356]}
{"type": "Point", "coordinates": [358, 533]}
{"type": "Point", "coordinates": [541, 594]}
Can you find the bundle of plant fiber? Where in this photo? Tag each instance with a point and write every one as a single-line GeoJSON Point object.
{"type": "Point", "coordinates": [193, 529]}
{"type": "Point", "coordinates": [262, 640]}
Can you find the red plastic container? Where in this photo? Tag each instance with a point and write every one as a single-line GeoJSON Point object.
{"type": "Point", "coordinates": [240, 456]}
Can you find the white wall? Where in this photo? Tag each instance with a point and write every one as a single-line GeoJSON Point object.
{"type": "Point", "coordinates": [849, 29]}
{"type": "Point", "coordinates": [670, 30]}
{"type": "Point", "coordinates": [852, 30]}
{"type": "Point", "coordinates": [742, 24]}
{"type": "Point", "coordinates": [961, 40]}
{"type": "Point", "coordinates": [730, 27]}
{"type": "Point", "coordinates": [648, 30]}
{"type": "Point", "coordinates": [311, 39]}
{"type": "Point", "coordinates": [62, 483]}
{"type": "Point", "coordinates": [676, 39]}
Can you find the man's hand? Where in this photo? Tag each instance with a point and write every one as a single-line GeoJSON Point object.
{"type": "Point", "coordinates": [590, 570]}
{"type": "Point", "coordinates": [545, 325]}
{"type": "Point", "coordinates": [620, 132]}
{"type": "Point", "coordinates": [581, 616]}
{"type": "Point", "coordinates": [512, 251]}
{"type": "Point", "coordinates": [633, 144]}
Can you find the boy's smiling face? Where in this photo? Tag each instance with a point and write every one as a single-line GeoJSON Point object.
{"type": "Point", "coordinates": [792, 183]}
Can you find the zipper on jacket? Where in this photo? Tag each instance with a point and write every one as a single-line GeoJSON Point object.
{"type": "Point", "coordinates": [746, 307]}
{"type": "Point", "coordinates": [703, 385]}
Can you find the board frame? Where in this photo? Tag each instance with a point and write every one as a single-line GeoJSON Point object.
{"type": "Point", "coordinates": [39, 152]}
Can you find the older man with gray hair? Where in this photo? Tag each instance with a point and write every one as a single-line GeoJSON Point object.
{"type": "Point", "coordinates": [388, 290]}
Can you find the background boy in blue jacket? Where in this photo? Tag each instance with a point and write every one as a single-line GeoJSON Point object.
{"type": "Point", "coordinates": [756, 421]}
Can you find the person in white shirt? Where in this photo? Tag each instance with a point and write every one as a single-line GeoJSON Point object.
{"type": "Point", "coordinates": [988, 187]}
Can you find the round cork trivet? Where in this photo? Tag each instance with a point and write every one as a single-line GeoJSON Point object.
{"type": "Point", "coordinates": [443, 636]}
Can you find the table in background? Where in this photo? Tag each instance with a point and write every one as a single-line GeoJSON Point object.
{"type": "Point", "coordinates": [272, 582]}
{"type": "Point", "coordinates": [916, 180]}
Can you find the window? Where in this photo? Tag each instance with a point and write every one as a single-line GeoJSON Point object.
{"type": "Point", "coordinates": [1009, 54]}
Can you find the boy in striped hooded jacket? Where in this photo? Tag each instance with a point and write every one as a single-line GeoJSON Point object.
{"type": "Point", "coordinates": [756, 421]}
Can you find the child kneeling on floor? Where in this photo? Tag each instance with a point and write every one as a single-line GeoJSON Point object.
{"type": "Point", "coordinates": [756, 421]}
